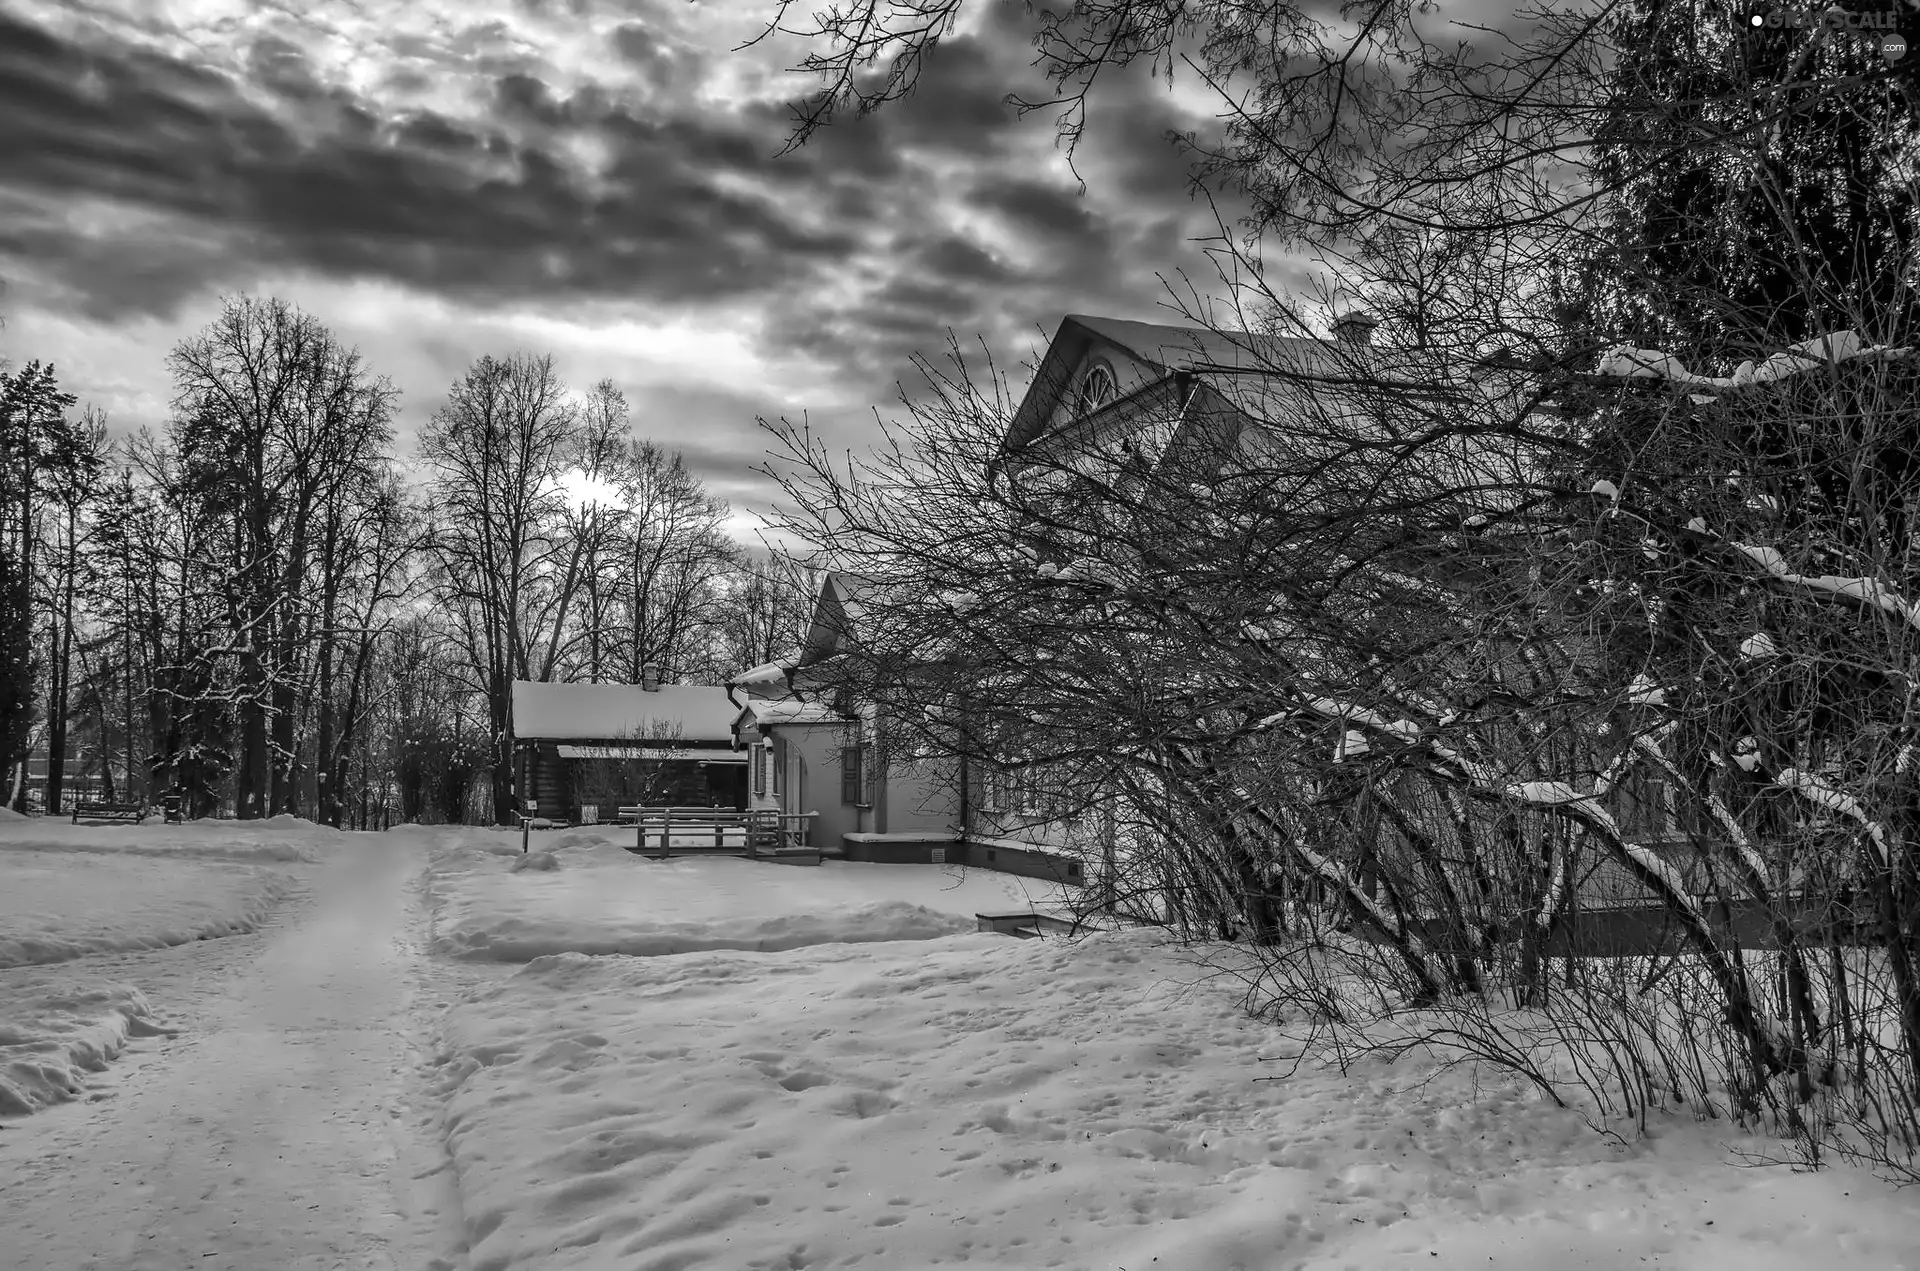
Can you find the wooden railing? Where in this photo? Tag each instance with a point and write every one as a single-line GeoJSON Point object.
{"type": "Point", "coordinates": [750, 832]}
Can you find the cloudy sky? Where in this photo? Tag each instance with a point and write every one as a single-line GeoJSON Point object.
{"type": "Point", "coordinates": [597, 179]}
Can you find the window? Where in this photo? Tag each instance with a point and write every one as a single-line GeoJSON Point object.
{"type": "Point", "coordinates": [1097, 388]}
{"type": "Point", "coordinates": [776, 758]}
{"type": "Point", "coordinates": [999, 790]}
{"type": "Point", "coordinates": [853, 773]}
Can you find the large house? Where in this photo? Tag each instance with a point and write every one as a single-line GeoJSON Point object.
{"type": "Point", "coordinates": [587, 749]}
{"type": "Point", "coordinates": [1109, 390]}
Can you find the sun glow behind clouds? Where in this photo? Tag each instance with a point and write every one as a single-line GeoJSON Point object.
{"type": "Point", "coordinates": [581, 490]}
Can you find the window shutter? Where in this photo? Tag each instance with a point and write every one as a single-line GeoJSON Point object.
{"type": "Point", "coordinates": [759, 769]}
{"type": "Point", "coordinates": [850, 774]}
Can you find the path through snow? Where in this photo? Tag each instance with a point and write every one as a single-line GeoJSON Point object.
{"type": "Point", "coordinates": [282, 1130]}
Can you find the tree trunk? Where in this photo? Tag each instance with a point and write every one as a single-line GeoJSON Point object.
{"type": "Point", "coordinates": [326, 758]}
{"type": "Point", "coordinates": [499, 706]}
{"type": "Point", "coordinates": [58, 682]}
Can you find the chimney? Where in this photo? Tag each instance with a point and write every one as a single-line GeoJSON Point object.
{"type": "Point", "coordinates": [1354, 326]}
{"type": "Point", "coordinates": [650, 677]}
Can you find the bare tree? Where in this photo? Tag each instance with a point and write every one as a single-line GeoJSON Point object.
{"type": "Point", "coordinates": [594, 523]}
{"type": "Point", "coordinates": [672, 560]}
{"type": "Point", "coordinates": [273, 416]}
{"type": "Point", "coordinates": [768, 604]}
{"type": "Point", "coordinates": [496, 451]}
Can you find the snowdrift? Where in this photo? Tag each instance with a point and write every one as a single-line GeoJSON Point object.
{"type": "Point", "coordinates": [492, 904]}
{"type": "Point", "coordinates": [51, 1036]}
{"type": "Point", "coordinates": [281, 838]}
{"type": "Point", "coordinates": [56, 905]}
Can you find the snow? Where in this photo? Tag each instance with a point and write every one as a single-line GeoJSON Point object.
{"type": "Point", "coordinates": [283, 838]}
{"type": "Point", "coordinates": [1605, 489]}
{"type": "Point", "coordinates": [1817, 791]}
{"type": "Point", "coordinates": [70, 892]}
{"type": "Point", "coordinates": [1870, 590]}
{"type": "Point", "coordinates": [787, 711]}
{"type": "Point", "coordinates": [1644, 691]}
{"type": "Point", "coordinates": [1839, 346]}
{"type": "Point", "coordinates": [599, 898]}
{"type": "Point", "coordinates": [52, 1036]}
{"type": "Point", "coordinates": [783, 1081]}
{"type": "Point", "coordinates": [769, 673]}
{"type": "Point", "coordinates": [1758, 646]}
{"type": "Point", "coordinates": [56, 905]}
{"type": "Point", "coordinates": [283, 1123]}
{"type": "Point", "coordinates": [1024, 1104]}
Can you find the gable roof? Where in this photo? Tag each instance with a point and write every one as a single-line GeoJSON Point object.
{"type": "Point", "coordinates": [836, 608]}
{"type": "Point", "coordinates": [688, 713]}
{"type": "Point", "coordinates": [1221, 355]}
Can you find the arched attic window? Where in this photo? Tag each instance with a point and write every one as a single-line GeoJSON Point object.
{"type": "Point", "coordinates": [1097, 387]}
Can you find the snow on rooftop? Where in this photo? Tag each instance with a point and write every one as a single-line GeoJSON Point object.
{"type": "Point", "coordinates": [790, 712]}
{"type": "Point", "coordinates": [612, 712]}
{"type": "Point", "coordinates": [767, 673]}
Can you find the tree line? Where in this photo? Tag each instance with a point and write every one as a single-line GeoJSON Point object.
{"type": "Point", "coordinates": [261, 608]}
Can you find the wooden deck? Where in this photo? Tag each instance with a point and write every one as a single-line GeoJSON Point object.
{"type": "Point", "coordinates": [756, 834]}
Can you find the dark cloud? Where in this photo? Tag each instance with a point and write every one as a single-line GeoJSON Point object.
{"type": "Point", "coordinates": [954, 257]}
{"type": "Point", "coordinates": [1037, 210]}
{"type": "Point", "coordinates": [660, 65]}
{"type": "Point", "coordinates": [853, 252]}
{"type": "Point", "coordinates": [959, 104]}
{"type": "Point", "coordinates": [489, 209]}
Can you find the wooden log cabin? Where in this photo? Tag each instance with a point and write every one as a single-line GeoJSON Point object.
{"type": "Point", "coordinates": [585, 750]}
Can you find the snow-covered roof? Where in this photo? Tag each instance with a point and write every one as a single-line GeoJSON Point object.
{"type": "Point", "coordinates": [1196, 348]}
{"type": "Point", "coordinates": [658, 753]}
{"type": "Point", "coordinates": [767, 673]}
{"type": "Point", "coordinates": [1168, 349]}
{"type": "Point", "coordinates": [787, 711]}
{"type": "Point", "coordinates": [621, 712]}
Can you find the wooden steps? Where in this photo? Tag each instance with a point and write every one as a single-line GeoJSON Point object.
{"type": "Point", "coordinates": [1025, 926]}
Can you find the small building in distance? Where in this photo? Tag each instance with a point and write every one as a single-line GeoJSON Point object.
{"type": "Point", "coordinates": [584, 750]}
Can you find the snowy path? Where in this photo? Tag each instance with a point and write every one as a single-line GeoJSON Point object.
{"type": "Point", "coordinates": [284, 1128]}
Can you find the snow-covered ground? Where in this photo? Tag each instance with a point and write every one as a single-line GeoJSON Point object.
{"type": "Point", "coordinates": [57, 905]}
{"type": "Point", "coordinates": [803, 1067]}
{"type": "Point", "coordinates": [581, 891]}
{"type": "Point", "coordinates": [964, 1098]}
{"type": "Point", "coordinates": [69, 891]}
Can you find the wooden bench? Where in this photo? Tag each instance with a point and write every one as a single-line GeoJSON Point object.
{"type": "Point", "coordinates": [760, 833]}
{"type": "Point", "coordinates": [135, 812]}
